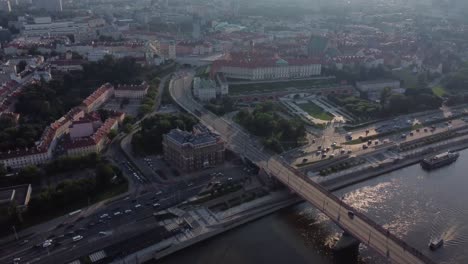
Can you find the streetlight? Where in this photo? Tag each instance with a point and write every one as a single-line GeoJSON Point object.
{"type": "Point", "coordinates": [14, 230]}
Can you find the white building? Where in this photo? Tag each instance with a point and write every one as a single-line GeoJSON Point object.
{"type": "Point", "coordinates": [204, 89]}
{"type": "Point", "coordinates": [266, 69]}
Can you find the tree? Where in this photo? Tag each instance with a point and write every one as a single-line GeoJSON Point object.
{"type": "Point", "coordinates": [21, 66]}
{"type": "Point", "coordinates": [386, 92]}
{"type": "Point", "coordinates": [104, 174]}
{"type": "Point", "coordinates": [112, 134]}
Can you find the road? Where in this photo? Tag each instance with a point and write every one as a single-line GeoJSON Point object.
{"type": "Point", "coordinates": [355, 223]}
{"type": "Point", "coordinates": [119, 223]}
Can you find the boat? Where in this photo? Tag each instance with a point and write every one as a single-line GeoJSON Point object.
{"type": "Point", "coordinates": [439, 160]}
{"type": "Point", "coordinates": [436, 243]}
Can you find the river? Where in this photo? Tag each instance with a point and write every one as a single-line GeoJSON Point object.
{"type": "Point", "coordinates": [414, 204]}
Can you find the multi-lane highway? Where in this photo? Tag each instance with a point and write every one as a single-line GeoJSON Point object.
{"type": "Point", "coordinates": [355, 223]}
{"type": "Point", "coordinates": [105, 226]}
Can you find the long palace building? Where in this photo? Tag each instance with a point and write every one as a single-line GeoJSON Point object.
{"type": "Point", "coordinates": [260, 68]}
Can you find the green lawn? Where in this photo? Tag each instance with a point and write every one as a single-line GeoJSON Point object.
{"type": "Point", "coordinates": [439, 91]}
{"type": "Point", "coordinates": [236, 89]}
{"type": "Point", "coordinates": [316, 111]}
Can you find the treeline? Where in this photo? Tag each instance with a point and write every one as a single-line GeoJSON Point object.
{"type": "Point", "coordinates": [149, 139]}
{"type": "Point", "coordinates": [149, 101]}
{"type": "Point", "coordinates": [221, 106]}
{"type": "Point", "coordinates": [70, 193]}
{"type": "Point", "coordinates": [35, 175]}
{"type": "Point", "coordinates": [66, 195]}
{"type": "Point", "coordinates": [277, 133]}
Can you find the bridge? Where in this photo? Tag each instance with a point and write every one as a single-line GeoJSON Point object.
{"type": "Point", "coordinates": [350, 220]}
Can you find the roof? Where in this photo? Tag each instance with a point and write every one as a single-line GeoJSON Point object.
{"type": "Point", "coordinates": [141, 87]}
{"type": "Point", "coordinates": [200, 136]}
{"type": "Point", "coordinates": [96, 94]}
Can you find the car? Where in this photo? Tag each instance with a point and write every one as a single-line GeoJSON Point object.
{"type": "Point", "coordinates": [425, 130]}
{"type": "Point", "coordinates": [332, 155]}
{"type": "Point", "coordinates": [16, 260]}
{"type": "Point", "coordinates": [351, 214]}
{"type": "Point", "coordinates": [47, 243]}
{"type": "Point", "coordinates": [327, 149]}
{"type": "Point", "coordinates": [127, 211]}
{"type": "Point", "coordinates": [104, 216]}
{"type": "Point", "coordinates": [190, 184]}
{"type": "Point", "coordinates": [365, 147]}
{"type": "Point", "coordinates": [159, 193]}
{"type": "Point", "coordinates": [229, 179]}
{"type": "Point", "coordinates": [77, 238]}
{"type": "Point", "coordinates": [103, 233]}
{"type": "Point", "coordinates": [319, 147]}
{"type": "Point", "coordinates": [417, 130]}
{"type": "Point", "coordinates": [350, 151]}
{"type": "Point", "coordinates": [117, 213]}
{"type": "Point", "coordinates": [411, 134]}
{"type": "Point", "coordinates": [156, 205]}
{"type": "Point", "coordinates": [342, 151]}
{"type": "Point", "coordinates": [137, 205]}
{"type": "Point", "coordinates": [369, 142]}
{"type": "Point", "coordinates": [324, 155]}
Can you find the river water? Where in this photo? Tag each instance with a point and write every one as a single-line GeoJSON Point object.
{"type": "Point", "coordinates": [414, 204]}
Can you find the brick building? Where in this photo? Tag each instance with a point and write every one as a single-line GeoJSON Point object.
{"type": "Point", "coordinates": [194, 150]}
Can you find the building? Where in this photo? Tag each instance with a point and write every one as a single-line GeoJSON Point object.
{"type": "Point", "coordinates": [374, 88]}
{"type": "Point", "coordinates": [5, 6]}
{"type": "Point", "coordinates": [258, 69]}
{"type": "Point", "coordinates": [317, 46]}
{"type": "Point", "coordinates": [49, 5]}
{"type": "Point", "coordinates": [18, 196]}
{"type": "Point", "coordinates": [194, 150]}
{"type": "Point", "coordinates": [98, 97]}
{"type": "Point", "coordinates": [204, 89]}
{"type": "Point", "coordinates": [131, 91]}
{"type": "Point", "coordinates": [96, 142]}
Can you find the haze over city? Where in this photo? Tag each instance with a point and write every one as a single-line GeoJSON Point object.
{"type": "Point", "coordinates": [233, 131]}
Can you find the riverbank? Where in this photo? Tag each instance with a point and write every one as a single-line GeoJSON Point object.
{"type": "Point", "coordinates": [357, 177]}
{"type": "Point", "coordinates": [247, 214]}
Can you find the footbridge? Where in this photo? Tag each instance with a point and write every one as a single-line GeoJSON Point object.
{"type": "Point", "coordinates": [350, 220]}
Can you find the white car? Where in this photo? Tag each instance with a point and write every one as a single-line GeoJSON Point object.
{"type": "Point", "coordinates": [104, 216]}
{"type": "Point", "coordinates": [128, 211]}
{"type": "Point", "coordinates": [77, 238]}
{"type": "Point", "coordinates": [137, 205]}
{"type": "Point", "coordinates": [117, 213]}
{"type": "Point", "coordinates": [47, 243]}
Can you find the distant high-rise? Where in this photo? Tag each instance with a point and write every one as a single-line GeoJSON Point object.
{"type": "Point", "coordinates": [49, 5]}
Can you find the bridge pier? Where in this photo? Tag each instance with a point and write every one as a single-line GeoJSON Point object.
{"type": "Point", "coordinates": [346, 250]}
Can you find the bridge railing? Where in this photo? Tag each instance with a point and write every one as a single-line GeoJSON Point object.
{"type": "Point", "coordinates": [371, 222]}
